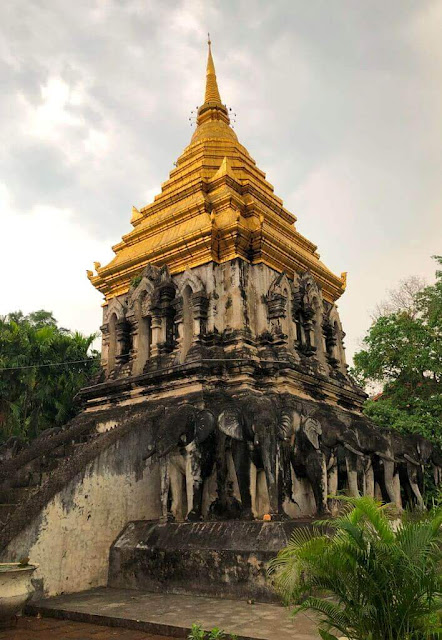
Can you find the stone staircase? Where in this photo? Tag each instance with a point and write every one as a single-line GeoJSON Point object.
{"type": "Point", "coordinates": [24, 472]}
{"type": "Point", "coordinates": [9, 500]}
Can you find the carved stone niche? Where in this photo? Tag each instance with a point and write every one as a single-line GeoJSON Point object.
{"type": "Point", "coordinates": [336, 345]}
{"type": "Point", "coordinates": [115, 335]}
{"type": "Point", "coordinates": [311, 318]}
{"type": "Point", "coordinates": [330, 337]}
{"type": "Point", "coordinates": [191, 311]}
{"type": "Point", "coordinates": [279, 300]}
{"type": "Point", "coordinates": [200, 306]}
{"type": "Point", "coordinates": [166, 296]}
{"type": "Point", "coordinates": [153, 313]}
{"type": "Point", "coordinates": [124, 341]}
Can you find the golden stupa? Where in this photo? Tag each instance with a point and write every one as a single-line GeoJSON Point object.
{"type": "Point", "coordinates": [216, 206]}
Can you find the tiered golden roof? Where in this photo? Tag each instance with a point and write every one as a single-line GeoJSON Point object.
{"type": "Point", "coordinates": [216, 206]}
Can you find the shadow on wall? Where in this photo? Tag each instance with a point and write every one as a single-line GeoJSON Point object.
{"type": "Point", "coordinates": [87, 515]}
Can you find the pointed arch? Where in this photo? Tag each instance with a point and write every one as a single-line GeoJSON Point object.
{"type": "Point", "coordinates": [145, 287]}
{"type": "Point", "coordinates": [312, 315]}
{"type": "Point", "coordinates": [116, 307]}
{"type": "Point", "coordinates": [279, 283]}
{"type": "Point", "coordinates": [339, 334]}
{"type": "Point", "coordinates": [191, 280]}
{"type": "Point", "coordinates": [280, 307]}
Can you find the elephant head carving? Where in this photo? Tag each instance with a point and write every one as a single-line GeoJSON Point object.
{"type": "Point", "coordinates": [231, 424]}
{"type": "Point", "coordinates": [186, 431]}
{"type": "Point", "coordinates": [181, 426]}
{"type": "Point", "coordinates": [252, 419]}
{"type": "Point", "coordinates": [312, 430]}
{"type": "Point", "coordinates": [252, 424]}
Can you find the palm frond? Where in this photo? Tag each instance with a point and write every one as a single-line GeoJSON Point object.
{"type": "Point", "coordinates": [366, 578]}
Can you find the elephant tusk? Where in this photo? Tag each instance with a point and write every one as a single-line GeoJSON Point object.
{"type": "Point", "coordinates": [384, 457]}
{"type": "Point", "coordinates": [149, 455]}
{"type": "Point", "coordinates": [358, 453]}
{"type": "Point", "coordinates": [407, 457]}
{"type": "Point", "coordinates": [165, 453]}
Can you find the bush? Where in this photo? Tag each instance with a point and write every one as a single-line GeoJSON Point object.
{"type": "Point", "coordinates": [368, 576]}
{"type": "Point", "coordinates": [198, 633]}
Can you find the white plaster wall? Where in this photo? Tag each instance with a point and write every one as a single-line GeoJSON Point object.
{"type": "Point", "coordinates": [72, 537]}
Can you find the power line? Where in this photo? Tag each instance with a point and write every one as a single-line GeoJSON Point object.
{"type": "Point", "coordinates": [39, 366]}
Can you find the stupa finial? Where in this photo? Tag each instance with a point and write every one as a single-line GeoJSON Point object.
{"type": "Point", "coordinates": [212, 110]}
{"type": "Point", "coordinates": [212, 91]}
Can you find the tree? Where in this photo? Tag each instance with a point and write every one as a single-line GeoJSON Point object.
{"type": "Point", "coordinates": [402, 351]}
{"type": "Point", "coordinates": [42, 367]}
{"type": "Point", "coordinates": [367, 577]}
{"type": "Point", "coordinates": [403, 298]}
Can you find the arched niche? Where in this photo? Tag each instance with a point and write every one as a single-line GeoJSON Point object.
{"type": "Point", "coordinates": [280, 308]}
{"type": "Point", "coordinates": [143, 346]}
{"type": "Point", "coordinates": [114, 339]}
{"type": "Point", "coordinates": [189, 279]}
{"type": "Point", "coordinates": [311, 317]}
{"type": "Point", "coordinates": [187, 323]}
{"type": "Point", "coordinates": [317, 334]}
{"type": "Point", "coordinates": [299, 335]}
{"type": "Point", "coordinates": [191, 305]}
{"type": "Point", "coordinates": [288, 327]}
{"type": "Point", "coordinates": [112, 349]}
{"type": "Point", "coordinates": [338, 333]}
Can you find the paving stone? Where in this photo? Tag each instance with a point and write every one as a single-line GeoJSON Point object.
{"type": "Point", "coordinates": [173, 615]}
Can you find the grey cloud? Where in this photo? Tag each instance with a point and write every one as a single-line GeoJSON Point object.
{"type": "Point", "coordinates": [347, 89]}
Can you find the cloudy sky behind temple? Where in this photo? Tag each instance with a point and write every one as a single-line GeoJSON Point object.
{"type": "Point", "coordinates": [340, 103]}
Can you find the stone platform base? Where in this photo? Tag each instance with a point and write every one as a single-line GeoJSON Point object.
{"type": "Point", "coordinates": [222, 559]}
{"type": "Point", "coordinates": [173, 615]}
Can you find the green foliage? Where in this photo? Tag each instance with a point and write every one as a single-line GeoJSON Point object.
{"type": "Point", "coordinates": [33, 398]}
{"type": "Point", "coordinates": [198, 633]}
{"type": "Point", "coordinates": [217, 634]}
{"type": "Point", "coordinates": [403, 347]}
{"type": "Point", "coordinates": [402, 350]}
{"type": "Point", "coordinates": [136, 280]}
{"type": "Point", "coordinates": [366, 576]}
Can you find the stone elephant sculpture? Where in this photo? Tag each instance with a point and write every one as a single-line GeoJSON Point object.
{"type": "Point", "coordinates": [308, 459]}
{"type": "Point", "coordinates": [412, 453]}
{"type": "Point", "coordinates": [380, 467]}
{"type": "Point", "coordinates": [339, 441]}
{"type": "Point", "coordinates": [183, 439]}
{"type": "Point", "coordinates": [255, 427]}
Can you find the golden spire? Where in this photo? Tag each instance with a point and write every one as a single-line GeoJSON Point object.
{"type": "Point", "coordinates": [212, 91]}
{"type": "Point", "coordinates": [212, 109]}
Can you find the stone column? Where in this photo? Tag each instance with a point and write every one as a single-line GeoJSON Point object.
{"type": "Point", "coordinates": [104, 344]}
{"type": "Point", "coordinates": [178, 322]}
{"type": "Point", "coordinates": [309, 332]}
{"type": "Point", "coordinates": [330, 342]}
{"type": "Point", "coordinates": [156, 328]}
{"type": "Point", "coordinates": [134, 330]}
{"type": "Point", "coordinates": [122, 336]}
{"type": "Point", "coordinates": [167, 294]}
{"type": "Point", "coordinates": [200, 305]}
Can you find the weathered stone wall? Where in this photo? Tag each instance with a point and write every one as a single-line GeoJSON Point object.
{"type": "Point", "coordinates": [70, 539]}
{"type": "Point", "coordinates": [165, 314]}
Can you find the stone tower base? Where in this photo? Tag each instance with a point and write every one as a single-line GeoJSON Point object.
{"type": "Point", "coordinates": [223, 559]}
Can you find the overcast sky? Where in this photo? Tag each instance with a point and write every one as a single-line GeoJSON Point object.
{"type": "Point", "coordinates": [339, 102]}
